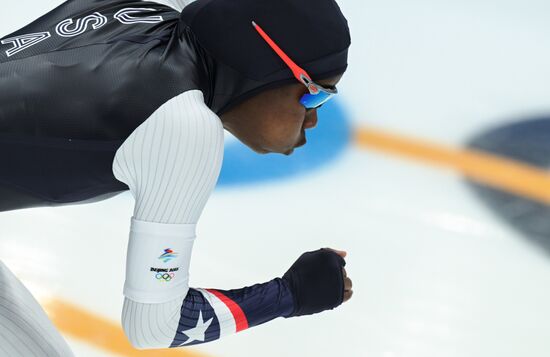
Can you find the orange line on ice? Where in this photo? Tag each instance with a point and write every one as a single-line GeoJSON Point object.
{"type": "Point", "coordinates": [499, 172]}
{"type": "Point", "coordinates": [102, 333]}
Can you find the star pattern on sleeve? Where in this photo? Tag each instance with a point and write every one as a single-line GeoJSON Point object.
{"type": "Point", "coordinates": [197, 333]}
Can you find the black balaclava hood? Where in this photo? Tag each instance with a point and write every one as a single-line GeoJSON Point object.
{"type": "Point", "coordinates": [240, 64]}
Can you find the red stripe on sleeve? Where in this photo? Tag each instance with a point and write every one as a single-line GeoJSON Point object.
{"type": "Point", "coordinates": [241, 321]}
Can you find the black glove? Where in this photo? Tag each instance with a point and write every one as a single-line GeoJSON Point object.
{"type": "Point", "coordinates": [316, 281]}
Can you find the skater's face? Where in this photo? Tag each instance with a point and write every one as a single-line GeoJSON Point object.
{"type": "Point", "coordinates": [274, 120]}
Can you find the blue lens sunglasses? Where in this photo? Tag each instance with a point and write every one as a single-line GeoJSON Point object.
{"type": "Point", "coordinates": [318, 95]}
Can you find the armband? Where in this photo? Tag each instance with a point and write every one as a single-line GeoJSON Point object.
{"type": "Point", "coordinates": [158, 259]}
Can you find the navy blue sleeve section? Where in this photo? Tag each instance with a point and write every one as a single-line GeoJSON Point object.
{"type": "Point", "coordinates": [263, 302]}
{"type": "Point", "coordinates": [206, 319]}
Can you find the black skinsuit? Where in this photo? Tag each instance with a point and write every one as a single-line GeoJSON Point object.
{"type": "Point", "coordinates": [67, 103]}
{"type": "Point", "coordinates": [81, 78]}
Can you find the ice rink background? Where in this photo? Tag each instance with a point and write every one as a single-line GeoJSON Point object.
{"type": "Point", "coordinates": [436, 270]}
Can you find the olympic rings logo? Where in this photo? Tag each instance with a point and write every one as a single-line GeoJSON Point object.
{"type": "Point", "coordinates": [165, 276]}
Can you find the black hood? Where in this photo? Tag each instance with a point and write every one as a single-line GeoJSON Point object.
{"type": "Point", "coordinates": [240, 64]}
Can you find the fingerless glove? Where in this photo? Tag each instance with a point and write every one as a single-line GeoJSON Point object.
{"type": "Point", "coordinates": [316, 281]}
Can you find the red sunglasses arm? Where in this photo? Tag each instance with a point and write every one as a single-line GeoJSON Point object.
{"type": "Point", "coordinates": [296, 70]}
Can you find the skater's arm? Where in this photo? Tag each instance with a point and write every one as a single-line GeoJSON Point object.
{"type": "Point", "coordinates": [171, 164]}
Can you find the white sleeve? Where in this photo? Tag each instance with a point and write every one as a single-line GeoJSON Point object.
{"type": "Point", "coordinates": [172, 161]}
{"type": "Point", "coordinates": [171, 164]}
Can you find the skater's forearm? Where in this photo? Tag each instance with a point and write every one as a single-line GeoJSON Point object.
{"type": "Point", "coordinates": [205, 315]}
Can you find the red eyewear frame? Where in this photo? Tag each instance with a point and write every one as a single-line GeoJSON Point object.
{"type": "Point", "coordinates": [318, 94]}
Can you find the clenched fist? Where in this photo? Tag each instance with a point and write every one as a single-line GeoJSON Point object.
{"type": "Point", "coordinates": [318, 281]}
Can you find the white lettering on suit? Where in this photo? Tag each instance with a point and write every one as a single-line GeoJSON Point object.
{"type": "Point", "coordinates": [64, 29]}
